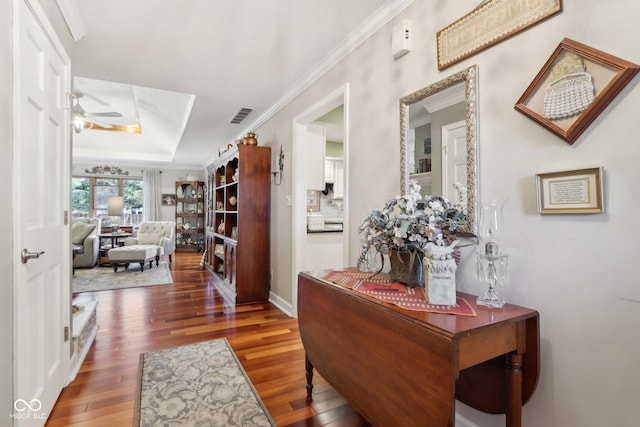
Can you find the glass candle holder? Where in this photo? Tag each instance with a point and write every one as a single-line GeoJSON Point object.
{"type": "Point", "coordinates": [492, 270]}
{"type": "Point", "coordinates": [363, 263]}
{"type": "Point", "coordinates": [491, 222]}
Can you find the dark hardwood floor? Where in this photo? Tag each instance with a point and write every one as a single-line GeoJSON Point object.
{"type": "Point", "coordinates": [137, 320]}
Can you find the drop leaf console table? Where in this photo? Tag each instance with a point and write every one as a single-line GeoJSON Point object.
{"type": "Point", "coordinates": [406, 368]}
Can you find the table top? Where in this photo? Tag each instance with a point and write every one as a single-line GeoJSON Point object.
{"type": "Point", "coordinates": [119, 234]}
{"type": "Point", "coordinates": [449, 325]}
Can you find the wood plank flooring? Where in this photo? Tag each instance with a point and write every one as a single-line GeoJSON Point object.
{"type": "Point", "coordinates": [137, 320]}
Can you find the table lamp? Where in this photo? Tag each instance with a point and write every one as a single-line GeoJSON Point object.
{"type": "Point", "coordinates": [116, 210]}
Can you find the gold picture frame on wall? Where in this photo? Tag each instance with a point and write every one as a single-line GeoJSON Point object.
{"type": "Point", "coordinates": [573, 87]}
{"type": "Point", "coordinates": [488, 24]}
{"type": "Point", "coordinates": [570, 192]}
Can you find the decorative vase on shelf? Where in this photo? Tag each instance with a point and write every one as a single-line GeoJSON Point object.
{"type": "Point", "coordinates": [491, 264]}
{"type": "Point", "coordinates": [251, 139]}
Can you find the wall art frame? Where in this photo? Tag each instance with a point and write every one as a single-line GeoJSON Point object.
{"type": "Point", "coordinates": [168, 199]}
{"type": "Point", "coordinates": [577, 191]}
{"type": "Point", "coordinates": [608, 74]}
{"type": "Point", "coordinates": [313, 200]}
{"type": "Point", "coordinates": [489, 23]}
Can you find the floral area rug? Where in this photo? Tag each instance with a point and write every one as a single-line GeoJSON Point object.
{"type": "Point", "coordinates": [381, 287]}
{"type": "Point", "coordinates": [200, 384]}
{"type": "Point", "coordinates": [104, 278]}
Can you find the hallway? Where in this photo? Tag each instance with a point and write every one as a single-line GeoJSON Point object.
{"type": "Point", "coordinates": [137, 320]}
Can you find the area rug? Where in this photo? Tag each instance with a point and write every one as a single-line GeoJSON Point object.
{"type": "Point", "coordinates": [381, 287]}
{"type": "Point", "coordinates": [104, 278]}
{"type": "Point", "coordinates": [200, 384]}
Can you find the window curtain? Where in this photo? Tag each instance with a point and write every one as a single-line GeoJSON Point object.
{"type": "Point", "coordinates": [152, 194]}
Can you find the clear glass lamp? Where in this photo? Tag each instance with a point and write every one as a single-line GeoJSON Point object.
{"type": "Point", "coordinates": [491, 265]}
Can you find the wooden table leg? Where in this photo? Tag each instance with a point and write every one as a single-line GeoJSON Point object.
{"type": "Point", "coordinates": [514, 388]}
{"type": "Point", "coordinates": [309, 373]}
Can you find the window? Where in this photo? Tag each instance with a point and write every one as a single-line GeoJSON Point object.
{"type": "Point", "coordinates": [90, 198]}
{"type": "Point", "coordinates": [80, 197]}
{"type": "Point", "coordinates": [102, 190]}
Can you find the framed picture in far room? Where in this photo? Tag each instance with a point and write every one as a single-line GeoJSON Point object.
{"type": "Point", "coordinates": [313, 200]}
{"type": "Point", "coordinates": [168, 200]}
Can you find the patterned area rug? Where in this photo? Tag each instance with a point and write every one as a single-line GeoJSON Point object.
{"type": "Point", "coordinates": [104, 279]}
{"type": "Point", "coordinates": [200, 384]}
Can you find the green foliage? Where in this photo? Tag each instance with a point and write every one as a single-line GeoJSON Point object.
{"type": "Point", "coordinates": [133, 194]}
{"type": "Point", "coordinates": [80, 196]}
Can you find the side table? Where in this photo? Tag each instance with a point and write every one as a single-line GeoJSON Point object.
{"type": "Point", "coordinates": [115, 242]}
{"type": "Point", "coordinates": [75, 250]}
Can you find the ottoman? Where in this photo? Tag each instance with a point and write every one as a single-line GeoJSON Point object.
{"type": "Point", "coordinates": [125, 255]}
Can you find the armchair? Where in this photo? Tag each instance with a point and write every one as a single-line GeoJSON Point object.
{"type": "Point", "coordinates": [84, 234]}
{"type": "Point", "coordinates": [160, 233]}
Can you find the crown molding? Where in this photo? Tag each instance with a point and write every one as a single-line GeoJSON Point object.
{"type": "Point", "coordinates": [361, 34]}
{"type": "Point", "coordinates": [69, 9]}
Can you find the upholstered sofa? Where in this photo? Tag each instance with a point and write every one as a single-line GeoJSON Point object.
{"type": "Point", "coordinates": [159, 233]}
{"type": "Point", "coordinates": [84, 234]}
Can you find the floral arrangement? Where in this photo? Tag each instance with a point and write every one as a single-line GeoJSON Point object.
{"type": "Point", "coordinates": [411, 223]}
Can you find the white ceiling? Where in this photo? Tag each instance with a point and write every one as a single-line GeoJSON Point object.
{"type": "Point", "coordinates": [227, 54]}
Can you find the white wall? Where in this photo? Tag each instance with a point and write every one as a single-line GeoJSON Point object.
{"type": "Point", "coordinates": [577, 270]}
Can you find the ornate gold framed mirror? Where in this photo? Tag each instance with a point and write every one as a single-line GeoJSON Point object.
{"type": "Point", "coordinates": [439, 141]}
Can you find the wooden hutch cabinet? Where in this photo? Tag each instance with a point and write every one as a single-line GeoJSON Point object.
{"type": "Point", "coordinates": [190, 216]}
{"type": "Point", "coordinates": [238, 223]}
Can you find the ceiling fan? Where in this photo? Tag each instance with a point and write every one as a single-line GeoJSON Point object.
{"type": "Point", "coordinates": [84, 120]}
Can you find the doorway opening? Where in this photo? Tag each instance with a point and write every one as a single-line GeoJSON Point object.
{"type": "Point", "coordinates": [306, 246]}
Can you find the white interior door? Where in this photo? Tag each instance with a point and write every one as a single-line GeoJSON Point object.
{"type": "Point", "coordinates": [41, 197]}
{"type": "Point", "coordinates": [454, 158]}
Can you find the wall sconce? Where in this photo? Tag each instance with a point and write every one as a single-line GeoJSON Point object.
{"type": "Point", "coordinates": [277, 165]}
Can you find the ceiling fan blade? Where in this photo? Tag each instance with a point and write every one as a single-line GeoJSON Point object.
{"type": "Point", "coordinates": [99, 122]}
{"type": "Point", "coordinates": [89, 120]}
{"type": "Point", "coordinates": [105, 114]}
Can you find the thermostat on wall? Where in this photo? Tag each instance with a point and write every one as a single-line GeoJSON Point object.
{"type": "Point", "coordinates": [401, 39]}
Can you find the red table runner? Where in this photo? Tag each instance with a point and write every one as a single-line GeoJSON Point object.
{"type": "Point", "coordinates": [381, 287]}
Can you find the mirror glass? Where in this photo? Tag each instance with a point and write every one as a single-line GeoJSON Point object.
{"type": "Point", "coordinates": [438, 141]}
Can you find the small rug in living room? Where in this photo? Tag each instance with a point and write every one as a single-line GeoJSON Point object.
{"type": "Point", "coordinates": [200, 384]}
{"type": "Point", "coordinates": [105, 279]}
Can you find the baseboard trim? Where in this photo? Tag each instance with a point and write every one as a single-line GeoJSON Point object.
{"type": "Point", "coordinates": [283, 305]}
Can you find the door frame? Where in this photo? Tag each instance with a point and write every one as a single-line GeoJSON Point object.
{"type": "Point", "coordinates": [337, 97]}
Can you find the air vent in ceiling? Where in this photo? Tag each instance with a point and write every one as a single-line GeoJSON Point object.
{"type": "Point", "coordinates": [244, 112]}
